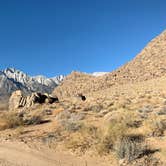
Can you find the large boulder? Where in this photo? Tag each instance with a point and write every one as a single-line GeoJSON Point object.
{"type": "Point", "coordinates": [17, 100]}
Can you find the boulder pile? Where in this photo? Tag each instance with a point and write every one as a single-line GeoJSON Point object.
{"type": "Point", "coordinates": [18, 100]}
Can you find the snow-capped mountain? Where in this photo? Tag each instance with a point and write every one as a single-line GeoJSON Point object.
{"type": "Point", "coordinates": [12, 79]}
{"type": "Point", "coordinates": [49, 81]}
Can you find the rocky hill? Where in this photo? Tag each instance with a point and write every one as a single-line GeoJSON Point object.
{"type": "Point", "coordinates": [12, 79]}
{"type": "Point", "coordinates": [148, 64]}
{"type": "Point", "coordinates": [119, 119]}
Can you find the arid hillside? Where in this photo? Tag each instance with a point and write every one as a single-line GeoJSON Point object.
{"type": "Point", "coordinates": [118, 119]}
{"type": "Point", "coordinates": [150, 63]}
{"type": "Point", "coordinates": [124, 125]}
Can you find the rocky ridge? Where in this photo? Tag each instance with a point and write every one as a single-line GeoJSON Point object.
{"type": "Point", "coordinates": [149, 64]}
{"type": "Point", "coordinates": [12, 79]}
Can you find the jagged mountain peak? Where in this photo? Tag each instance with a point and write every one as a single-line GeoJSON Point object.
{"type": "Point", "coordinates": [12, 79]}
{"type": "Point", "coordinates": [12, 69]}
{"type": "Point", "coordinates": [17, 75]}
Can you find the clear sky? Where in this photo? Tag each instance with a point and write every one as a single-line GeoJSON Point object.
{"type": "Point", "coordinates": [53, 37]}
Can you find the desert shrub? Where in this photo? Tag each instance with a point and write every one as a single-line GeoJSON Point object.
{"type": "Point", "coordinates": [33, 120]}
{"type": "Point", "coordinates": [83, 139]}
{"type": "Point", "coordinates": [130, 147]}
{"type": "Point", "coordinates": [108, 138]}
{"type": "Point", "coordinates": [115, 130]}
{"type": "Point", "coordinates": [67, 115]}
{"type": "Point", "coordinates": [93, 108]}
{"type": "Point", "coordinates": [128, 117]}
{"type": "Point", "coordinates": [145, 109]}
{"type": "Point", "coordinates": [63, 115]}
{"type": "Point", "coordinates": [10, 120]}
{"type": "Point", "coordinates": [155, 126]}
{"type": "Point", "coordinates": [158, 128]}
{"type": "Point", "coordinates": [52, 139]}
{"type": "Point", "coordinates": [78, 142]}
{"type": "Point", "coordinates": [76, 116]}
{"type": "Point", "coordinates": [71, 126]}
{"type": "Point", "coordinates": [104, 146]}
{"type": "Point", "coordinates": [89, 130]}
{"type": "Point", "coordinates": [162, 111]}
{"type": "Point", "coordinates": [13, 119]}
{"type": "Point", "coordinates": [47, 112]}
{"type": "Point", "coordinates": [70, 120]}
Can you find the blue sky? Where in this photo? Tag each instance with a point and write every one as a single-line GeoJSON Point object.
{"type": "Point", "coordinates": [53, 37]}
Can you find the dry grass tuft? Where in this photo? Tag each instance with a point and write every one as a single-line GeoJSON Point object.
{"type": "Point", "coordinates": [83, 139]}
{"type": "Point", "coordinates": [155, 126]}
{"type": "Point", "coordinates": [10, 120]}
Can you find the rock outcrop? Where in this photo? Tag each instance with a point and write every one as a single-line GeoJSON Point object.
{"type": "Point", "coordinates": [19, 100]}
{"type": "Point", "coordinates": [16, 100]}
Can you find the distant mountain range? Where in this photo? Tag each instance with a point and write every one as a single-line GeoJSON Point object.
{"type": "Point", "coordinates": [12, 79]}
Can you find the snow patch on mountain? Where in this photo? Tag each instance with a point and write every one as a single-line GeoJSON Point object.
{"type": "Point", "coordinates": [12, 79]}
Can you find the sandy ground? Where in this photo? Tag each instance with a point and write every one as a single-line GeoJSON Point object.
{"type": "Point", "coordinates": [20, 154]}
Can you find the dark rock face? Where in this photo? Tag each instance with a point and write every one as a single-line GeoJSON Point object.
{"type": "Point", "coordinates": [43, 98]}
{"type": "Point", "coordinates": [52, 100]}
{"type": "Point", "coordinates": [82, 97]}
{"type": "Point", "coordinates": [40, 98]}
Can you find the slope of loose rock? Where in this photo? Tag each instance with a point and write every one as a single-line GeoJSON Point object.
{"type": "Point", "coordinates": [150, 63]}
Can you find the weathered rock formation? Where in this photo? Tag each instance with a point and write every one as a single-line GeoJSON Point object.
{"type": "Point", "coordinates": [19, 100]}
{"type": "Point", "coordinates": [16, 100]}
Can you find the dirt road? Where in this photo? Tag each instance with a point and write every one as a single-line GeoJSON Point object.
{"type": "Point", "coordinates": [19, 154]}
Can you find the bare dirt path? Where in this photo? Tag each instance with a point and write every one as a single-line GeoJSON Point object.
{"type": "Point", "coordinates": [19, 154]}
